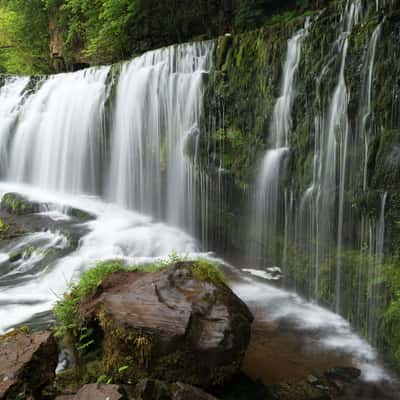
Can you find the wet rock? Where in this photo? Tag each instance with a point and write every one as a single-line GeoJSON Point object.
{"type": "Point", "coordinates": [182, 391]}
{"type": "Point", "coordinates": [346, 374]}
{"type": "Point", "coordinates": [27, 363]}
{"type": "Point", "coordinates": [152, 389]}
{"type": "Point", "coordinates": [299, 390]}
{"type": "Point", "coordinates": [312, 380]}
{"type": "Point", "coordinates": [178, 324]}
{"type": "Point", "coordinates": [17, 204]}
{"type": "Point", "coordinates": [79, 214]}
{"type": "Point", "coordinates": [96, 392]}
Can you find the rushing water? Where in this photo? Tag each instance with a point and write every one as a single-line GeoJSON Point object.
{"type": "Point", "coordinates": [155, 132]}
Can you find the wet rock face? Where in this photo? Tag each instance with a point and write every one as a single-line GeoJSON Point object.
{"type": "Point", "coordinates": [170, 325]}
{"type": "Point", "coordinates": [27, 363]}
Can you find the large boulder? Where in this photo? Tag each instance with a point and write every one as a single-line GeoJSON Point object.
{"type": "Point", "coordinates": [182, 323]}
{"type": "Point", "coordinates": [27, 363]}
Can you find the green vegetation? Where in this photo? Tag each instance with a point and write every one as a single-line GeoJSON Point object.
{"type": "Point", "coordinates": [391, 325]}
{"type": "Point", "coordinates": [24, 37]}
{"type": "Point", "coordinates": [4, 227]}
{"type": "Point", "coordinates": [82, 32]}
{"type": "Point", "coordinates": [66, 311]}
{"type": "Point", "coordinates": [206, 270]}
{"type": "Point", "coordinates": [18, 205]}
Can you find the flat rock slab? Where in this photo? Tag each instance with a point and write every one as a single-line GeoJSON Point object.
{"type": "Point", "coordinates": [27, 362]}
{"type": "Point", "coordinates": [95, 392]}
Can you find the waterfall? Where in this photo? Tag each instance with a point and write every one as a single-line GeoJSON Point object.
{"type": "Point", "coordinates": [56, 143]}
{"type": "Point", "coordinates": [315, 230]}
{"type": "Point", "coordinates": [366, 94]}
{"type": "Point", "coordinates": [11, 95]}
{"type": "Point", "coordinates": [133, 141]}
{"type": "Point", "coordinates": [322, 207]}
{"type": "Point", "coordinates": [156, 130]}
{"type": "Point", "coordinates": [268, 191]}
{"type": "Point", "coordinates": [336, 145]}
{"type": "Point", "coordinates": [376, 239]}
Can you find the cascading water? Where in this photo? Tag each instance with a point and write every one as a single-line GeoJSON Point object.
{"type": "Point", "coordinates": [155, 132]}
{"type": "Point", "coordinates": [56, 144]}
{"type": "Point", "coordinates": [135, 141]}
{"type": "Point", "coordinates": [59, 141]}
{"type": "Point", "coordinates": [334, 152]}
{"type": "Point", "coordinates": [10, 97]}
{"type": "Point", "coordinates": [317, 229]}
{"type": "Point", "coordinates": [268, 196]}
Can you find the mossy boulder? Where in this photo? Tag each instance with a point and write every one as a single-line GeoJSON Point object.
{"type": "Point", "coordinates": [27, 363]}
{"type": "Point", "coordinates": [17, 204]}
{"type": "Point", "coordinates": [182, 323]}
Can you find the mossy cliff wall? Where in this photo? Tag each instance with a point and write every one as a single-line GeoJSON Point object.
{"type": "Point", "coordinates": [239, 104]}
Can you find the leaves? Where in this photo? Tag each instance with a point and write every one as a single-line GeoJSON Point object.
{"type": "Point", "coordinates": [24, 36]}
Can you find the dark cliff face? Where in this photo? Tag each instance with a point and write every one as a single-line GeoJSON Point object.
{"type": "Point", "coordinates": [239, 106]}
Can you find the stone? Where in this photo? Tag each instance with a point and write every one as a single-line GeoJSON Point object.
{"type": "Point", "coordinates": [182, 391]}
{"type": "Point", "coordinates": [152, 389]}
{"type": "Point", "coordinates": [172, 325]}
{"type": "Point", "coordinates": [312, 380]}
{"type": "Point", "coordinates": [345, 374]}
{"type": "Point", "coordinates": [96, 391]}
{"type": "Point", "coordinates": [27, 363]}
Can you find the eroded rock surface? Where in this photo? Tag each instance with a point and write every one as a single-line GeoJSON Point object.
{"type": "Point", "coordinates": [27, 363]}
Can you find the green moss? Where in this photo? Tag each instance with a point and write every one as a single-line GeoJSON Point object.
{"type": "Point", "coordinates": [206, 270]}
{"type": "Point", "coordinates": [391, 319]}
{"type": "Point", "coordinates": [66, 311]}
{"type": "Point", "coordinates": [17, 205]}
{"type": "Point", "coordinates": [4, 228]}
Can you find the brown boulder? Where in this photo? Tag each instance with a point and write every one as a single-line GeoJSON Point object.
{"type": "Point", "coordinates": [178, 324]}
{"type": "Point", "coordinates": [27, 363]}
